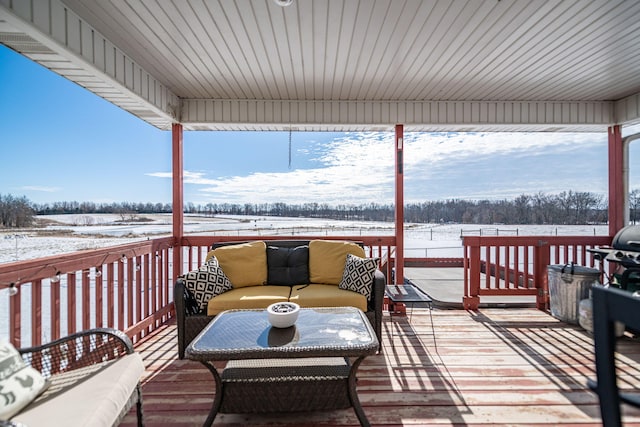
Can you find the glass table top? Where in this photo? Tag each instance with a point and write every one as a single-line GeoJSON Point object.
{"type": "Point", "coordinates": [407, 293]}
{"type": "Point", "coordinates": [318, 332]}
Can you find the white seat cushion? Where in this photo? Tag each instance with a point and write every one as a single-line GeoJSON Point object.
{"type": "Point", "coordinates": [92, 396]}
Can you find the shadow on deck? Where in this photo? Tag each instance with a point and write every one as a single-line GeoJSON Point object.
{"type": "Point", "coordinates": [491, 367]}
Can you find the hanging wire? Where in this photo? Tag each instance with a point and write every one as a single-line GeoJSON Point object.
{"type": "Point", "coordinates": [289, 147]}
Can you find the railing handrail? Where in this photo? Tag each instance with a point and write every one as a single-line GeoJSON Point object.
{"type": "Point", "coordinates": [531, 240]}
{"type": "Point", "coordinates": [18, 272]}
{"type": "Point", "coordinates": [200, 240]}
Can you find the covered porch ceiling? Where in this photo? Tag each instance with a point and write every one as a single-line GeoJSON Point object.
{"type": "Point", "coordinates": [345, 65]}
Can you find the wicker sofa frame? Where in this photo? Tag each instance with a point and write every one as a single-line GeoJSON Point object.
{"type": "Point", "coordinates": [189, 326]}
{"type": "Point", "coordinates": [78, 352]}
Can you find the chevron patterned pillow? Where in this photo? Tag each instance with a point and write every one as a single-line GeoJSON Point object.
{"type": "Point", "coordinates": [206, 282]}
{"type": "Point", "coordinates": [358, 274]}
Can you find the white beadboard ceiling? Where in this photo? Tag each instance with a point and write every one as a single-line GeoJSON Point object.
{"type": "Point", "coordinates": [432, 65]}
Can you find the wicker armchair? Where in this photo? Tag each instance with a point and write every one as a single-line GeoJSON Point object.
{"type": "Point", "coordinates": [74, 360]}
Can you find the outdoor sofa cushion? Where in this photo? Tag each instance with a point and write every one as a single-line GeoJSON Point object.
{"type": "Point", "coordinates": [319, 295]}
{"type": "Point", "coordinates": [288, 266]}
{"type": "Point", "coordinates": [244, 264]}
{"type": "Point", "coordinates": [289, 276]}
{"type": "Point", "coordinates": [248, 297]}
{"type": "Point", "coordinates": [97, 398]}
{"type": "Point", "coordinates": [20, 384]}
{"type": "Point", "coordinates": [327, 259]}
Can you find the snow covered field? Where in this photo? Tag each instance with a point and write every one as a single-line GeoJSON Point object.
{"type": "Point", "coordinates": [70, 233]}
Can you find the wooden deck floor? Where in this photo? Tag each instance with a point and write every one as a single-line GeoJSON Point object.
{"type": "Point", "coordinates": [492, 367]}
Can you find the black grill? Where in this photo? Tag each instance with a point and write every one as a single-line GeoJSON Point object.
{"type": "Point", "coordinates": [624, 251]}
{"type": "Point", "coordinates": [626, 247]}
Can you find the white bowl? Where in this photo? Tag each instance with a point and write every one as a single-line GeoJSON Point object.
{"type": "Point", "coordinates": [283, 314]}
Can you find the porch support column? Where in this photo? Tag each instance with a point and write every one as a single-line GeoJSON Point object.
{"type": "Point", "coordinates": [617, 185]}
{"type": "Point", "coordinates": [178, 197]}
{"type": "Point", "coordinates": [399, 214]}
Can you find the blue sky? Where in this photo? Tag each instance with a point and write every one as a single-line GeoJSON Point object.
{"type": "Point", "coordinates": [59, 142]}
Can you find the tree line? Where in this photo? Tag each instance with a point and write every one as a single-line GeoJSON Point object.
{"type": "Point", "coordinates": [15, 212]}
{"type": "Point", "coordinates": [567, 207]}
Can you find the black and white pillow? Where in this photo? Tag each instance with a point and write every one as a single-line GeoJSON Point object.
{"type": "Point", "coordinates": [206, 282]}
{"type": "Point", "coordinates": [19, 382]}
{"type": "Point", "coordinates": [358, 274]}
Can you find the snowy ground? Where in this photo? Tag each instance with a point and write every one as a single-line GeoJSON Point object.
{"type": "Point", "coordinates": [70, 233]}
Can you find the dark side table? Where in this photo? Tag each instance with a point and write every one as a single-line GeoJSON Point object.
{"type": "Point", "coordinates": [409, 294]}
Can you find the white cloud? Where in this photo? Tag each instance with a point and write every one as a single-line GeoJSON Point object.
{"type": "Point", "coordinates": [443, 147]}
{"type": "Point", "coordinates": [41, 188]}
{"type": "Point", "coordinates": [358, 168]}
{"type": "Point", "coordinates": [502, 165]}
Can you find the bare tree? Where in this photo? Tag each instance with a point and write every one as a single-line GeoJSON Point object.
{"type": "Point", "coordinates": [15, 212]}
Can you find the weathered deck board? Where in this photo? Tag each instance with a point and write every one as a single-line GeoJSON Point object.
{"type": "Point", "coordinates": [492, 367]}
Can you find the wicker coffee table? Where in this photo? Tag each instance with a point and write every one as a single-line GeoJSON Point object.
{"type": "Point", "coordinates": [310, 366]}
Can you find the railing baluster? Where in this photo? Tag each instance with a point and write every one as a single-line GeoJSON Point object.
{"type": "Point", "coordinates": [525, 263]}
{"type": "Point", "coordinates": [498, 269]}
{"type": "Point", "coordinates": [190, 262]}
{"type": "Point", "coordinates": [36, 312]}
{"type": "Point", "coordinates": [86, 299]}
{"type": "Point", "coordinates": [507, 268]}
{"type": "Point", "coordinates": [168, 280]}
{"type": "Point", "coordinates": [516, 265]}
{"type": "Point", "coordinates": [71, 303]}
{"type": "Point", "coordinates": [162, 276]}
{"type": "Point", "coordinates": [146, 288]}
{"type": "Point", "coordinates": [15, 318]}
{"type": "Point", "coordinates": [130, 303]}
{"type": "Point", "coordinates": [98, 281]}
{"type": "Point", "coordinates": [120, 287]}
{"type": "Point", "coordinates": [154, 285]}
{"type": "Point", "coordinates": [111, 303]}
{"type": "Point", "coordinates": [138, 295]}
{"type": "Point", "coordinates": [487, 270]}
{"type": "Point", "coordinates": [55, 309]}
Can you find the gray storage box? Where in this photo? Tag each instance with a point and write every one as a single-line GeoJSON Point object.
{"type": "Point", "coordinates": [568, 285]}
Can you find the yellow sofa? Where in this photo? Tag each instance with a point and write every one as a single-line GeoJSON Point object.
{"type": "Point", "coordinates": [250, 275]}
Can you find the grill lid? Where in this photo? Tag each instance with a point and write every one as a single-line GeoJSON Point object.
{"type": "Point", "coordinates": [627, 239]}
{"type": "Point", "coordinates": [626, 247]}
